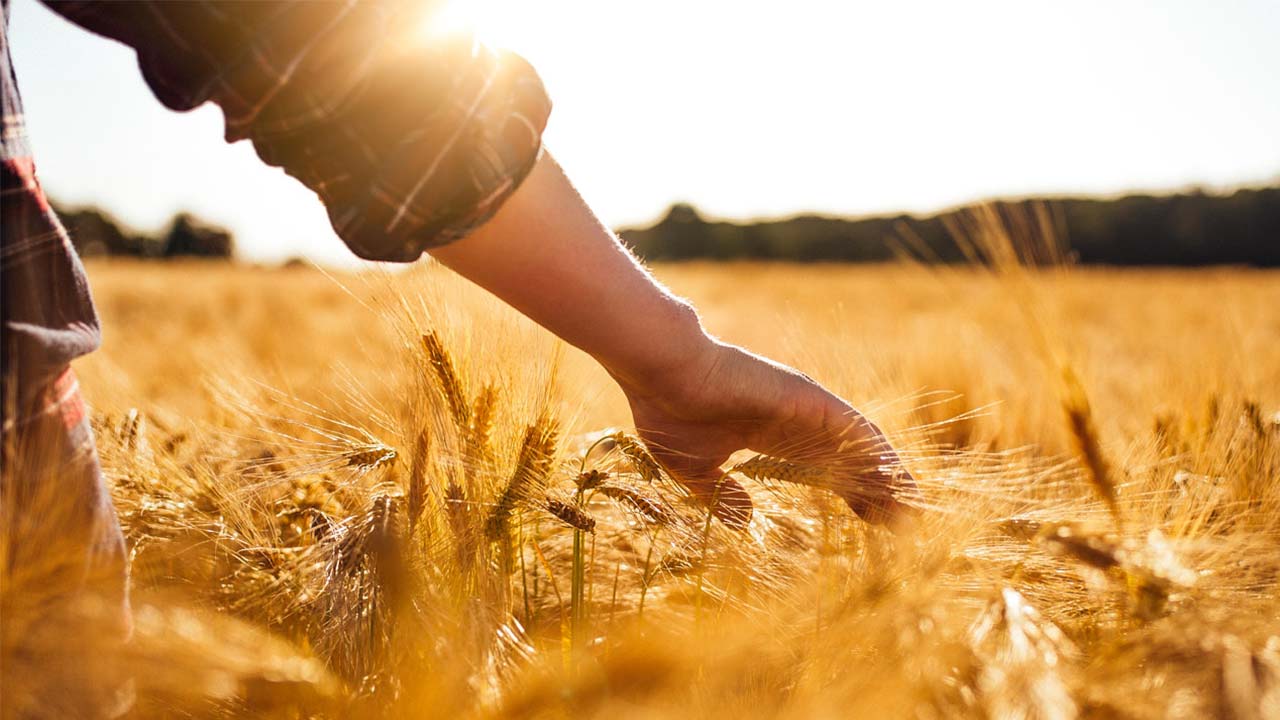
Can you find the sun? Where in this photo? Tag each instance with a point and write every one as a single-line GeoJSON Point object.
{"type": "Point", "coordinates": [507, 24]}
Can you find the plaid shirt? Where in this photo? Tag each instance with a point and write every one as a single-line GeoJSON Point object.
{"type": "Point", "coordinates": [408, 144]}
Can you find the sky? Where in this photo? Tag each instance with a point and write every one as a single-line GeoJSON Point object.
{"type": "Point", "coordinates": [744, 109]}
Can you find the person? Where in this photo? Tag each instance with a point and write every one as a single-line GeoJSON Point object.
{"type": "Point", "coordinates": [413, 148]}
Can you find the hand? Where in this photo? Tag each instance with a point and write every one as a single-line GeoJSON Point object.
{"type": "Point", "coordinates": [695, 401]}
{"type": "Point", "coordinates": [726, 399]}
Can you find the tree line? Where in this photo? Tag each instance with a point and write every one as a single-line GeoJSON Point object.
{"type": "Point", "coordinates": [94, 232]}
{"type": "Point", "coordinates": [1195, 228]}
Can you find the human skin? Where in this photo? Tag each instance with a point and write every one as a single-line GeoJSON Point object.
{"type": "Point", "coordinates": [694, 399]}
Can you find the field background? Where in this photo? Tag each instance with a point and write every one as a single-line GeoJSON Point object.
{"type": "Point", "coordinates": [1018, 596]}
{"type": "Point", "coordinates": [1145, 342]}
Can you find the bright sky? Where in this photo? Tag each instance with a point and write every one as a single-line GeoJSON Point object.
{"type": "Point", "coordinates": [742, 108]}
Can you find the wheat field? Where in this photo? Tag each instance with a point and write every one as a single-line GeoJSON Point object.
{"type": "Point", "coordinates": [385, 495]}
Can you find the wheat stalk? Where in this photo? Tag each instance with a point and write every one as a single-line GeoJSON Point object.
{"type": "Point", "coordinates": [652, 509]}
{"type": "Point", "coordinates": [639, 457]}
{"type": "Point", "coordinates": [481, 423]}
{"type": "Point", "coordinates": [447, 379]}
{"type": "Point", "coordinates": [370, 457]}
{"type": "Point", "coordinates": [1084, 434]}
{"type": "Point", "coordinates": [764, 467]}
{"type": "Point", "coordinates": [417, 494]}
{"type": "Point", "coordinates": [533, 465]}
{"type": "Point", "coordinates": [571, 515]}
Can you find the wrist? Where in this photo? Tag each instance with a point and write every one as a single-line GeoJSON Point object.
{"type": "Point", "coordinates": [669, 348]}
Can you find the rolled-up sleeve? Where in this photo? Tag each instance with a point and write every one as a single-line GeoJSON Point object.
{"type": "Point", "coordinates": [410, 145]}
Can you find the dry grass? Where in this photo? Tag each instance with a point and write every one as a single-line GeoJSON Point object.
{"type": "Point", "coordinates": [452, 527]}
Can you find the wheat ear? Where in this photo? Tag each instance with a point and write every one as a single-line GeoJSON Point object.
{"type": "Point", "coordinates": [481, 424]}
{"type": "Point", "coordinates": [652, 509]}
{"type": "Point", "coordinates": [638, 455]}
{"type": "Point", "coordinates": [1084, 434]}
{"type": "Point", "coordinates": [447, 379]}
{"type": "Point", "coordinates": [418, 477]}
{"type": "Point", "coordinates": [764, 467]}
{"type": "Point", "coordinates": [571, 515]}
{"type": "Point", "coordinates": [533, 465]}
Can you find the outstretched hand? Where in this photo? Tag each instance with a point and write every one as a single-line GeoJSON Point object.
{"type": "Point", "coordinates": [727, 399]}
{"type": "Point", "coordinates": [695, 401]}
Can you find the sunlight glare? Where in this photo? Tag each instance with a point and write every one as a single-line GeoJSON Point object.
{"type": "Point", "coordinates": [498, 23]}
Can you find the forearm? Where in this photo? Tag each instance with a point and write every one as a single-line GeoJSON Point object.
{"type": "Point", "coordinates": [694, 401]}
{"type": "Point", "coordinates": [547, 255]}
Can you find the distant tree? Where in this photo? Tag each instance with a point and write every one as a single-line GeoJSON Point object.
{"type": "Point", "coordinates": [1194, 228]}
{"type": "Point", "coordinates": [683, 214]}
{"type": "Point", "coordinates": [188, 237]}
{"type": "Point", "coordinates": [94, 232]}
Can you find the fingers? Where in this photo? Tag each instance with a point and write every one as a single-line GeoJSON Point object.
{"type": "Point", "coordinates": [708, 484]}
{"type": "Point", "coordinates": [728, 500]}
{"type": "Point", "coordinates": [882, 487]}
{"type": "Point", "coordinates": [884, 497]}
{"type": "Point", "coordinates": [861, 466]}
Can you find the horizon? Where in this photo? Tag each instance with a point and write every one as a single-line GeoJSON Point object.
{"type": "Point", "coordinates": [1110, 102]}
{"type": "Point", "coordinates": [1191, 189]}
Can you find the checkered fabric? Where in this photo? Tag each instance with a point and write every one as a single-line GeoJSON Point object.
{"type": "Point", "coordinates": [409, 144]}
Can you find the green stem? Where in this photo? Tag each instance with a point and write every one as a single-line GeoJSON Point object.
{"type": "Point", "coordinates": [645, 578]}
{"type": "Point", "coordinates": [576, 600]}
{"type": "Point", "coordinates": [702, 561]}
{"type": "Point", "coordinates": [524, 582]}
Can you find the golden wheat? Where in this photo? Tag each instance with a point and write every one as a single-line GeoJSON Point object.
{"type": "Point", "coordinates": [388, 593]}
{"type": "Point", "coordinates": [447, 379]}
{"type": "Point", "coordinates": [529, 478]}
{"type": "Point", "coordinates": [639, 457]}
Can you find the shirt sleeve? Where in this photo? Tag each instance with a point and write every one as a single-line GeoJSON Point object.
{"type": "Point", "coordinates": [409, 144]}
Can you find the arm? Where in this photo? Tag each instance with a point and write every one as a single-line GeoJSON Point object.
{"type": "Point", "coordinates": [413, 147]}
{"type": "Point", "coordinates": [695, 400]}
{"type": "Point", "coordinates": [547, 255]}
{"type": "Point", "coordinates": [409, 144]}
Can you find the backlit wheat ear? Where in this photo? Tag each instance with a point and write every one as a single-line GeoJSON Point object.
{"type": "Point", "coordinates": [570, 515]}
{"type": "Point", "coordinates": [481, 426]}
{"type": "Point", "coordinates": [1092, 549]}
{"type": "Point", "coordinates": [1024, 658]}
{"type": "Point", "coordinates": [638, 455]}
{"type": "Point", "coordinates": [764, 467]}
{"type": "Point", "coordinates": [179, 652]}
{"type": "Point", "coordinates": [1084, 435]}
{"type": "Point", "coordinates": [417, 493]}
{"type": "Point", "coordinates": [455, 510]}
{"type": "Point", "coordinates": [652, 509]}
{"type": "Point", "coordinates": [370, 457]}
{"type": "Point", "coordinates": [386, 539]}
{"type": "Point", "coordinates": [591, 479]}
{"type": "Point", "coordinates": [1151, 570]}
{"type": "Point", "coordinates": [447, 379]}
{"type": "Point", "coordinates": [369, 574]}
{"type": "Point", "coordinates": [133, 431]}
{"type": "Point", "coordinates": [533, 465]}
